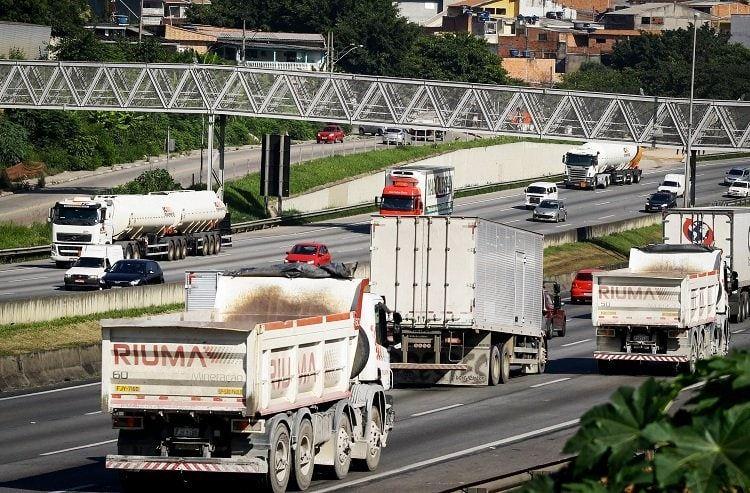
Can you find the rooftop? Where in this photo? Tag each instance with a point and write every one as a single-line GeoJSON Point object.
{"type": "Point", "coordinates": [648, 7]}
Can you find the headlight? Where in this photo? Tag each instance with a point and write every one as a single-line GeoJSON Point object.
{"type": "Point", "coordinates": [135, 282]}
{"type": "Point", "coordinates": [93, 276]}
{"type": "Point", "coordinates": [310, 262]}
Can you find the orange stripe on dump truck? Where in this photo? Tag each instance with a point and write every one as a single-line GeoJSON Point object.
{"type": "Point", "coordinates": [302, 322]}
{"type": "Point", "coordinates": [338, 316]}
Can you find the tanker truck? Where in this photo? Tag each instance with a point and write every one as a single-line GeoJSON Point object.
{"type": "Point", "coordinates": [668, 307]}
{"type": "Point", "coordinates": [597, 165]}
{"type": "Point", "coordinates": [160, 225]}
{"type": "Point", "coordinates": [468, 292]}
{"type": "Point", "coordinates": [285, 374]}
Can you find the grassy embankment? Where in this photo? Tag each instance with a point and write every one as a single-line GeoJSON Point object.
{"type": "Point", "coordinates": [73, 331]}
{"type": "Point", "coordinates": [16, 236]}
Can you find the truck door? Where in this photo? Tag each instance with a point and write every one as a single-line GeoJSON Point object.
{"type": "Point", "coordinates": [519, 283]}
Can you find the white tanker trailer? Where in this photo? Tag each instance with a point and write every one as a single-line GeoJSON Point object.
{"type": "Point", "coordinates": [597, 165]}
{"type": "Point", "coordinates": [163, 225]}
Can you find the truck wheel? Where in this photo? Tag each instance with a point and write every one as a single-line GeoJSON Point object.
{"type": "Point", "coordinates": [170, 251]}
{"type": "Point", "coordinates": [374, 432]}
{"type": "Point", "coordinates": [205, 247]}
{"type": "Point", "coordinates": [561, 332]}
{"type": "Point", "coordinates": [636, 177]}
{"type": "Point", "coordinates": [495, 366]}
{"type": "Point", "coordinates": [304, 456]}
{"type": "Point", "coordinates": [689, 367]}
{"type": "Point", "coordinates": [548, 329]}
{"type": "Point", "coordinates": [129, 251]}
{"type": "Point", "coordinates": [342, 448]}
{"type": "Point", "coordinates": [541, 356]}
{"type": "Point", "coordinates": [218, 244]}
{"type": "Point", "coordinates": [277, 477]}
{"type": "Point", "coordinates": [184, 248]}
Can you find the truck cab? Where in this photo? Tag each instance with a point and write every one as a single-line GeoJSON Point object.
{"type": "Point", "coordinates": [95, 261]}
{"type": "Point", "coordinates": [402, 198]}
{"type": "Point", "coordinates": [417, 191]}
{"type": "Point", "coordinates": [75, 223]}
{"type": "Point", "coordinates": [538, 191]}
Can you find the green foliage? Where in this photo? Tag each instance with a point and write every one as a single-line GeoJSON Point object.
{"type": "Point", "coordinates": [65, 16]}
{"type": "Point", "coordinates": [597, 77]}
{"type": "Point", "coordinates": [13, 235]}
{"type": "Point", "coordinates": [462, 57]}
{"type": "Point", "coordinates": [14, 143]}
{"type": "Point", "coordinates": [154, 180]}
{"type": "Point", "coordinates": [635, 443]}
{"type": "Point", "coordinates": [624, 241]}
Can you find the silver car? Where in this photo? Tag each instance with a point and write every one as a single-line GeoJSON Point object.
{"type": "Point", "coordinates": [550, 210]}
{"type": "Point", "coordinates": [396, 136]}
{"type": "Point", "coordinates": [735, 174]}
{"type": "Point", "coordinates": [371, 129]}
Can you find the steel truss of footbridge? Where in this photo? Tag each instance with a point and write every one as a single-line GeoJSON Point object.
{"type": "Point", "coordinates": [357, 99]}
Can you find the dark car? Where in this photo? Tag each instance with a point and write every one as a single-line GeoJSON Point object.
{"type": "Point", "coordinates": [659, 201]}
{"type": "Point", "coordinates": [133, 272]}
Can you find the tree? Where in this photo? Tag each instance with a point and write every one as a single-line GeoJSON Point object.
{"type": "Point", "coordinates": [460, 57]}
{"type": "Point", "coordinates": [155, 180]}
{"type": "Point", "coordinates": [66, 17]}
{"type": "Point", "coordinates": [597, 77]}
{"type": "Point", "coordinates": [14, 143]}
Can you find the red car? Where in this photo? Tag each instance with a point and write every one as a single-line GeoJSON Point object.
{"type": "Point", "coordinates": [309, 253]}
{"type": "Point", "coordinates": [332, 134]}
{"type": "Point", "coordinates": [553, 313]}
{"type": "Point", "coordinates": [580, 289]}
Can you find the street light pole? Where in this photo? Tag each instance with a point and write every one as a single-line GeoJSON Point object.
{"type": "Point", "coordinates": [690, 154]}
{"type": "Point", "coordinates": [140, 24]}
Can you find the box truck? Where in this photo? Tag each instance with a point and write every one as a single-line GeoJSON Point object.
{"type": "Point", "coordinates": [724, 228]}
{"type": "Point", "coordinates": [468, 293]}
{"type": "Point", "coordinates": [669, 306]}
{"type": "Point", "coordinates": [160, 225]}
{"type": "Point", "coordinates": [597, 165]}
{"type": "Point", "coordinates": [417, 190]}
{"type": "Point", "coordinates": [285, 373]}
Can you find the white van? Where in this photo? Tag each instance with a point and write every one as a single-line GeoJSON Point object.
{"type": "Point", "coordinates": [538, 191]}
{"type": "Point", "coordinates": [94, 262]}
{"type": "Point", "coordinates": [674, 183]}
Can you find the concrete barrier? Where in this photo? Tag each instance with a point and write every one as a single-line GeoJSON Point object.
{"type": "Point", "coordinates": [50, 367]}
{"type": "Point", "coordinates": [598, 230]}
{"type": "Point", "coordinates": [473, 167]}
{"type": "Point", "coordinates": [54, 307]}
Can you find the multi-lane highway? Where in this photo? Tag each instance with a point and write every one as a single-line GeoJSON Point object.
{"type": "Point", "coordinates": [348, 238]}
{"type": "Point", "coordinates": [444, 436]}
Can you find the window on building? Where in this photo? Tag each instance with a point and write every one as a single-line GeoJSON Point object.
{"type": "Point", "coordinates": [542, 37]}
{"type": "Point", "coordinates": [490, 27]}
{"type": "Point", "coordinates": [645, 20]}
{"type": "Point", "coordinates": [500, 11]}
{"type": "Point", "coordinates": [657, 20]}
{"type": "Point", "coordinates": [600, 40]}
{"type": "Point", "coordinates": [290, 56]}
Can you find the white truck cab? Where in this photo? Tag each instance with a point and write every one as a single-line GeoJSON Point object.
{"type": "Point", "coordinates": [539, 191]}
{"type": "Point", "coordinates": [674, 183]}
{"type": "Point", "coordinates": [94, 262]}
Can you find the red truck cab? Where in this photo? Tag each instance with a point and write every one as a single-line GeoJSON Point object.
{"type": "Point", "coordinates": [402, 198]}
{"type": "Point", "coordinates": [553, 313]}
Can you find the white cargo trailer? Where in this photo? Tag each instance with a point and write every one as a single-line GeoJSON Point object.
{"type": "Point", "coordinates": [418, 190]}
{"type": "Point", "coordinates": [727, 229]}
{"type": "Point", "coordinates": [162, 225]}
{"type": "Point", "coordinates": [282, 375]}
{"type": "Point", "coordinates": [596, 164]}
{"type": "Point", "coordinates": [668, 306]}
{"type": "Point", "coordinates": [468, 291]}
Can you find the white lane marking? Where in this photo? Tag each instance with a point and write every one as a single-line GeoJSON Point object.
{"type": "Point", "coordinates": [513, 221]}
{"type": "Point", "coordinates": [92, 413]}
{"type": "Point", "coordinates": [49, 391]}
{"type": "Point", "coordinates": [88, 445]}
{"type": "Point", "coordinates": [605, 217]}
{"type": "Point", "coordinates": [436, 410]}
{"type": "Point", "coordinates": [74, 488]}
{"type": "Point", "coordinates": [28, 279]}
{"type": "Point", "coordinates": [738, 331]}
{"type": "Point", "coordinates": [603, 191]}
{"type": "Point", "coordinates": [549, 383]}
{"type": "Point", "coordinates": [604, 203]}
{"type": "Point", "coordinates": [649, 182]}
{"type": "Point", "coordinates": [574, 343]}
{"type": "Point", "coordinates": [446, 457]}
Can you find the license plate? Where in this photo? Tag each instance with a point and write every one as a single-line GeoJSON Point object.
{"type": "Point", "coordinates": [79, 281]}
{"type": "Point", "coordinates": [186, 432]}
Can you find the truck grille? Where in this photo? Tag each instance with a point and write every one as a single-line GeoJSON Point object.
{"type": "Point", "coordinates": [576, 173]}
{"type": "Point", "coordinates": [81, 238]}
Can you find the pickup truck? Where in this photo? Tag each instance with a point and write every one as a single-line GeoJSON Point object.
{"type": "Point", "coordinates": [331, 134]}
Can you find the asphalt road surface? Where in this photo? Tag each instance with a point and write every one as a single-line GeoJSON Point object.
{"type": "Point", "coordinates": [348, 238]}
{"type": "Point", "coordinates": [56, 440]}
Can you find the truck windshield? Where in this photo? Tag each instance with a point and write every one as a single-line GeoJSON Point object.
{"type": "Point", "coordinates": [671, 184]}
{"type": "Point", "coordinates": [397, 203]}
{"type": "Point", "coordinates": [89, 262]}
{"type": "Point", "coordinates": [541, 190]}
{"type": "Point", "coordinates": [579, 160]}
{"type": "Point", "coordinates": [75, 216]}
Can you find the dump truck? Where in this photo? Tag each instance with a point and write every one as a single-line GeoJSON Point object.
{"type": "Point", "coordinates": [598, 165]}
{"type": "Point", "coordinates": [724, 228]}
{"type": "Point", "coordinates": [160, 225]}
{"type": "Point", "coordinates": [669, 306]}
{"type": "Point", "coordinates": [285, 373]}
{"type": "Point", "coordinates": [468, 294]}
{"type": "Point", "coordinates": [417, 190]}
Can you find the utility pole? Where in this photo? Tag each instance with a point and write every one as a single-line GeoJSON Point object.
{"type": "Point", "coordinates": [690, 154]}
{"type": "Point", "coordinates": [140, 25]}
{"type": "Point", "coordinates": [243, 43]}
{"type": "Point", "coordinates": [330, 51]}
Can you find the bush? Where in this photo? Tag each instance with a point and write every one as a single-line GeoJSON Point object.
{"type": "Point", "coordinates": [14, 143]}
{"type": "Point", "coordinates": [155, 180]}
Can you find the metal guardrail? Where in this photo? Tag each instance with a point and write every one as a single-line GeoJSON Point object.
{"type": "Point", "coordinates": [14, 253]}
{"type": "Point", "coordinates": [741, 202]}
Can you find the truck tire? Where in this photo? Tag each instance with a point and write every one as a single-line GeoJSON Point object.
{"type": "Point", "coordinates": [636, 177]}
{"type": "Point", "coordinates": [342, 447]}
{"type": "Point", "coordinates": [561, 332]}
{"type": "Point", "coordinates": [548, 329]}
{"type": "Point", "coordinates": [217, 238]}
{"type": "Point", "coordinates": [495, 366]}
{"type": "Point", "coordinates": [205, 246]}
{"type": "Point", "coordinates": [304, 456]}
{"type": "Point", "coordinates": [170, 251]}
{"type": "Point", "coordinates": [374, 433]}
{"type": "Point", "coordinates": [502, 363]}
{"type": "Point", "coordinates": [541, 357]}
{"type": "Point", "coordinates": [279, 463]}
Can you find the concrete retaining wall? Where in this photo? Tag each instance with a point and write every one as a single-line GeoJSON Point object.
{"type": "Point", "coordinates": [598, 230]}
{"type": "Point", "coordinates": [54, 307]}
{"type": "Point", "coordinates": [50, 367]}
{"type": "Point", "coordinates": [478, 166]}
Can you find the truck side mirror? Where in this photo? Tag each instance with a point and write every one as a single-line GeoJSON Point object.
{"type": "Point", "coordinates": [378, 199]}
{"type": "Point", "coordinates": [735, 281]}
{"type": "Point", "coordinates": [397, 318]}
